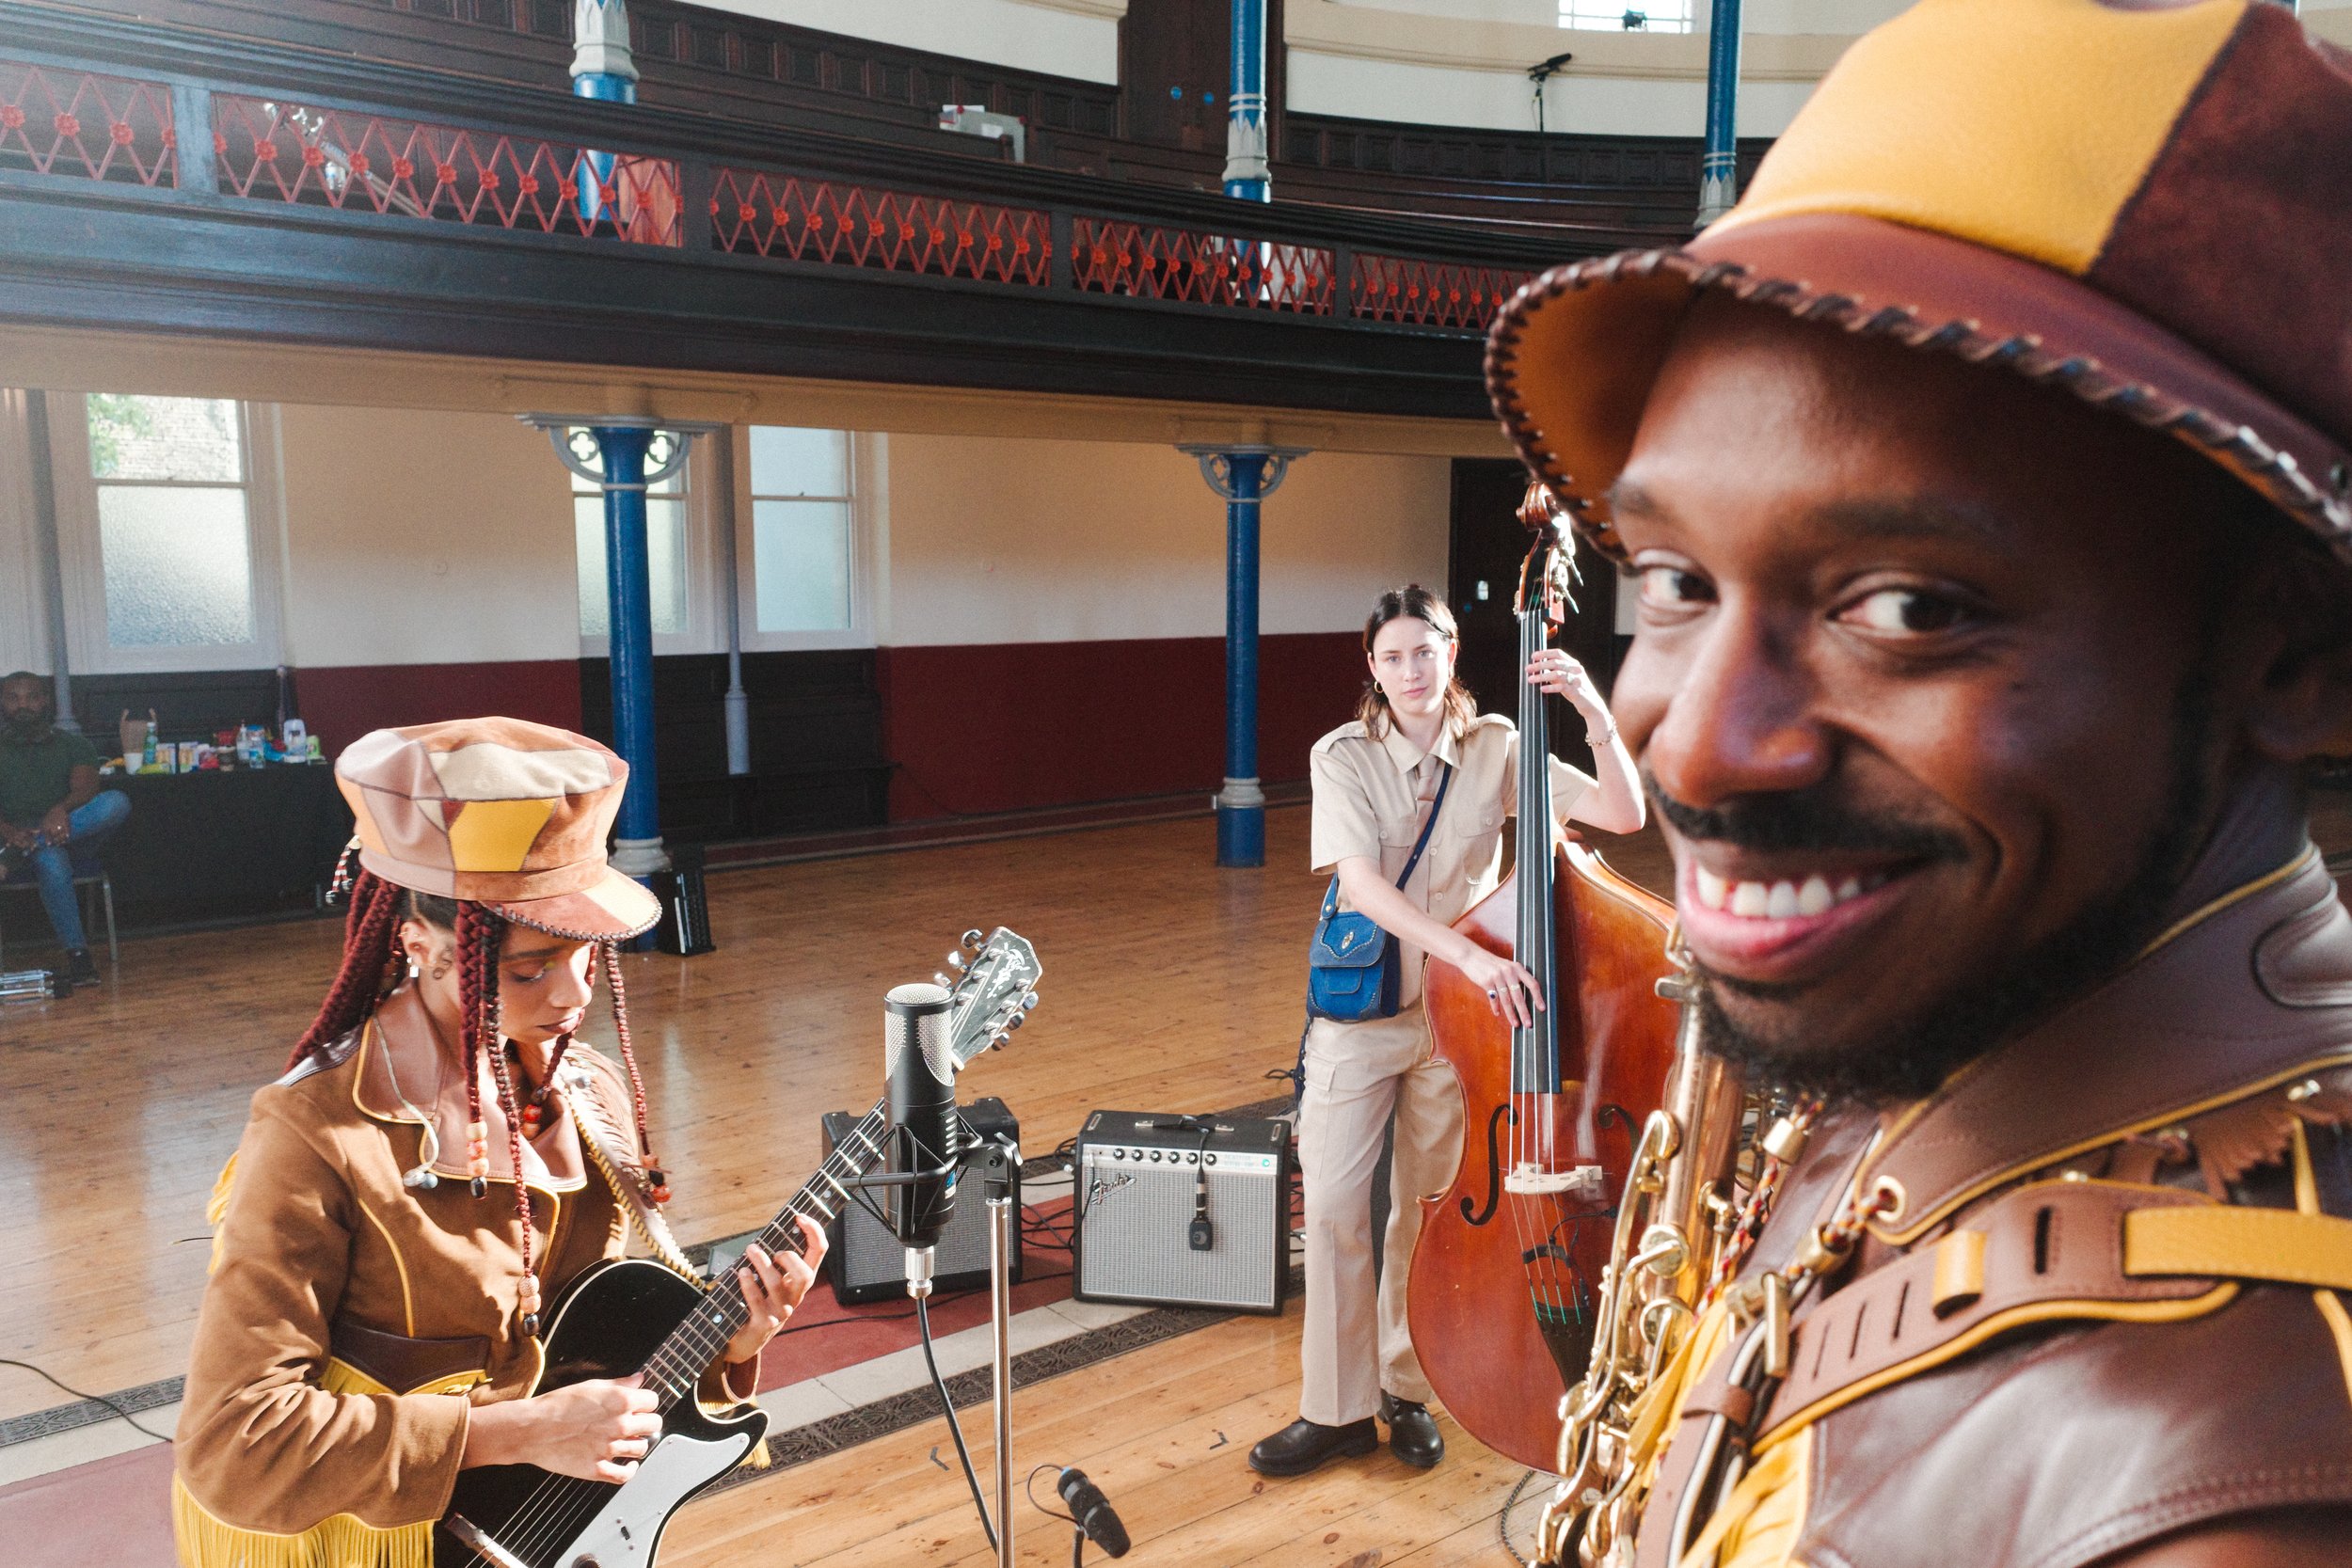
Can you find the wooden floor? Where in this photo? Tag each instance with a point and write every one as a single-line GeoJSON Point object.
{"type": "Point", "coordinates": [1168, 985]}
{"type": "Point", "coordinates": [1163, 1432]}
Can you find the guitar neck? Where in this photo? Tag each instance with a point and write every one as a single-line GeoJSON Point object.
{"type": "Point", "coordinates": [678, 1366]}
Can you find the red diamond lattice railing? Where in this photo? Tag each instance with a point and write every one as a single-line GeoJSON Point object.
{"type": "Point", "coordinates": [816, 220]}
{"type": "Point", "coordinates": [1429, 294]}
{"type": "Point", "coordinates": [1145, 262]}
{"type": "Point", "coordinates": [282, 151]}
{"type": "Point", "coordinates": [84, 124]}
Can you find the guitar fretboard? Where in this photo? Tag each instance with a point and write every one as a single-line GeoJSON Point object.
{"type": "Point", "coordinates": [677, 1365]}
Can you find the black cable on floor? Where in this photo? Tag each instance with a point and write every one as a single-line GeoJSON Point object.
{"type": "Point", "coordinates": [955, 1428]}
{"type": "Point", "coordinates": [94, 1398]}
{"type": "Point", "coordinates": [1502, 1521]}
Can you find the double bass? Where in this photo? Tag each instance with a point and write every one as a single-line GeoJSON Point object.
{"type": "Point", "coordinates": [1504, 1294]}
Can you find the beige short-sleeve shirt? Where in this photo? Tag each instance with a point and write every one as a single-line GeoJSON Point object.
{"type": "Point", "coordinates": [1371, 798]}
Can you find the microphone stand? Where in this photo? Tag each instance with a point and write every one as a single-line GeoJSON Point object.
{"type": "Point", "coordinates": [998, 1162]}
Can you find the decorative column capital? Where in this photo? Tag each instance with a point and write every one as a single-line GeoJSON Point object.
{"type": "Point", "coordinates": [1217, 466]}
{"type": "Point", "coordinates": [580, 446]}
{"type": "Point", "coordinates": [600, 40]}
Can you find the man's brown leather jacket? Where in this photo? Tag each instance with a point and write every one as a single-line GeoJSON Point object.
{"type": "Point", "coordinates": [2111, 1302]}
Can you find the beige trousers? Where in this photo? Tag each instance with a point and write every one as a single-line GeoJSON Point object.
{"type": "Point", "coordinates": [1353, 1346]}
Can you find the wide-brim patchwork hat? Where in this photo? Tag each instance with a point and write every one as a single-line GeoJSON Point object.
{"type": "Point", "coordinates": [500, 811]}
{"type": "Point", "coordinates": [2143, 203]}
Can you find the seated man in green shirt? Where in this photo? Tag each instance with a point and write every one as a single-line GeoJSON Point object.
{"type": "Point", "coordinates": [51, 808]}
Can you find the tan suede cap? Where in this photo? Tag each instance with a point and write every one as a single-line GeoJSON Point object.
{"type": "Point", "coordinates": [500, 811]}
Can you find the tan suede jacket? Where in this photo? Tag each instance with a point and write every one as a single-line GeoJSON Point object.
{"type": "Point", "coordinates": [351, 1322]}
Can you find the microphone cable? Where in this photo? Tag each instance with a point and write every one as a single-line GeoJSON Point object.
{"type": "Point", "coordinates": [955, 1428]}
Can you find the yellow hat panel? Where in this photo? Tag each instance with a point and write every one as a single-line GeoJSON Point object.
{"type": "Point", "coordinates": [2024, 125]}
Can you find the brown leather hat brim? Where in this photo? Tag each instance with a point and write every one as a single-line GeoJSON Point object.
{"type": "Point", "coordinates": [1571, 359]}
{"type": "Point", "coordinates": [614, 908]}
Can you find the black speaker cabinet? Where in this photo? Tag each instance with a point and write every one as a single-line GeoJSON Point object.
{"type": "Point", "coordinates": [866, 1263]}
{"type": "Point", "coordinates": [1145, 1183]}
{"type": "Point", "coordinates": [685, 928]}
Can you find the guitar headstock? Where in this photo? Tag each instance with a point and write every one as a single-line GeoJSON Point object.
{"type": "Point", "coordinates": [992, 995]}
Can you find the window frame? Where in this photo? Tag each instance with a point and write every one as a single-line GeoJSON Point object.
{"type": "Point", "coordinates": [868, 503]}
{"type": "Point", "coordinates": [704, 631]}
{"type": "Point", "coordinates": [81, 545]}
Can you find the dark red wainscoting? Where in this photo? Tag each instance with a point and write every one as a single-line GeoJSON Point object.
{"type": "Point", "coordinates": [343, 702]}
{"type": "Point", "coordinates": [1007, 727]}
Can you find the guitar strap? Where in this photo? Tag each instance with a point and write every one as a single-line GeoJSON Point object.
{"type": "Point", "coordinates": [605, 1144]}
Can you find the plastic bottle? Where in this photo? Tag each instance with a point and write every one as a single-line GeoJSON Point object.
{"type": "Point", "coordinates": [147, 762]}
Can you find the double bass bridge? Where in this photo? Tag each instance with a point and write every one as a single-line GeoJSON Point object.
{"type": "Point", "coordinates": [1529, 1179]}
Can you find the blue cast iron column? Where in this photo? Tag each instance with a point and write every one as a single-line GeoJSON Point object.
{"type": "Point", "coordinates": [628, 566]}
{"type": "Point", "coordinates": [610, 452]}
{"type": "Point", "coordinates": [1719, 167]}
{"type": "Point", "coordinates": [1243, 476]}
{"type": "Point", "coordinates": [1246, 172]}
{"type": "Point", "coordinates": [602, 67]}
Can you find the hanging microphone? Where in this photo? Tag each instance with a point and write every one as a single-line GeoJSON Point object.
{"type": "Point", "coordinates": [923, 1127]}
{"type": "Point", "coordinates": [1096, 1519]}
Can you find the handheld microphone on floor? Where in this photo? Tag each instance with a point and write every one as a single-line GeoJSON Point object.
{"type": "Point", "coordinates": [1096, 1519]}
{"type": "Point", "coordinates": [924, 1128]}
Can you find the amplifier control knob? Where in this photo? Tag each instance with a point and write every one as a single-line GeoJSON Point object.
{"type": "Point", "coordinates": [1192, 1159]}
{"type": "Point", "coordinates": [1119, 1154]}
{"type": "Point", "coordinates": [1208, 1159]}
{"type": "Point", "coordinates": [1155, 1156]}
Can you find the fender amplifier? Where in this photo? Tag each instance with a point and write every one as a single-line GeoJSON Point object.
{"type": "Point", "coordinates": [865, 1261]}
{"type": "Point", "coordinates": [1182, 1210]}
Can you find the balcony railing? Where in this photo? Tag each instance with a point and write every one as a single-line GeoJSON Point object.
{"type": "Point", "coordinates": [211, 140]}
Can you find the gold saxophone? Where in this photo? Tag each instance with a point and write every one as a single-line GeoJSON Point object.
{"type": "Point", "coordinates": [1673, 1223]}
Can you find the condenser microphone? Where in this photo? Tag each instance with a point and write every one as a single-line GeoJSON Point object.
{"type": "Point", "coordinates": [923, 1127]}
{"type": "Point", "coordinates": [1096, 1519]}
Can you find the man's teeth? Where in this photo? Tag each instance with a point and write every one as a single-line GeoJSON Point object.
{"type": "Point", "coordinates": [1781, 900]}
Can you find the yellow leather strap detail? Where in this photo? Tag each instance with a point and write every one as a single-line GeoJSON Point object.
{"type": "Point", "coordinates": [2240, 1243]}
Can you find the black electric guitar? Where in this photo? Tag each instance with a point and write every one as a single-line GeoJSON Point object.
{"type": "Point", "coordinates": [635, 1315]}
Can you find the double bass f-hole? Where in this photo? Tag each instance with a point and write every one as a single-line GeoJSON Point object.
{"type": "Point", "coordinates": [1505, 1111]}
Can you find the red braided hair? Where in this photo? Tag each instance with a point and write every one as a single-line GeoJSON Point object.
{"type": "Point", "coordinates": [370, 947]}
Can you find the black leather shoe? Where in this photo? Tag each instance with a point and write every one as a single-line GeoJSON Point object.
{"type": "Point", "coordinates": [1304, 1446]}
{"type": "Point", "coordinates": [1412, 1432]}
{"type": "Point", "coordinates": [80, 966]}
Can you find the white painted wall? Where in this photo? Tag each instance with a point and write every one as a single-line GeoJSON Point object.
{"type": "Point", "coordinates": [995, 541]}
{"type": "Point", "coordinates": [423, 538]}
{"type": "Point", "coordinates": [1066, 38]}
{"type": "Point", "coordinates": [1463, 62]}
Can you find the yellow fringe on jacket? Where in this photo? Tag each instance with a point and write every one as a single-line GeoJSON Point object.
{"type": "Point", "coordinates": [342, 1542]}
{"type": "Point", "coordinates": [217, 1209]}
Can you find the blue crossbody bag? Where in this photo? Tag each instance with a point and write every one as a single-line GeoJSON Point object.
{"type": "Point", "coordinates": [1353, 969]}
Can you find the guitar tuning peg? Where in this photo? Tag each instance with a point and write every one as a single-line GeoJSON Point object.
{"type": "Point", "coordinates": [943, 982]}
{"type": "Point", "coordinates": [1016, 1020]}
{"type": "Point", "coordinates": [1028, 1000]}
{"type": "Point", "coordinates": [999, 1042]}
{"type": "Point", "coordinates": [955, 960]}
{"type": "Point", "coordinates": [974, 937]}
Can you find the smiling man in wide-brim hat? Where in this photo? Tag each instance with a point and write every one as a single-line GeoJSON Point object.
{"type": "Point", "coordinates": [1984, 478]}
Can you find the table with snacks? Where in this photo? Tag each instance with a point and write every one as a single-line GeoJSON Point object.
{"type": "Point", "coordinates": [216, 844]}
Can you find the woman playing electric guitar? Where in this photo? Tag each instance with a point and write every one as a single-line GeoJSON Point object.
{"type": "Point", "coordinates": [440, 1160]}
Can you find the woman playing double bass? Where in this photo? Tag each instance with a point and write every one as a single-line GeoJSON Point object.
{"type": "Point", "coordinates": [1377, 780]}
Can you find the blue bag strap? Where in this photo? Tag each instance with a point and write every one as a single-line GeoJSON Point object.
{"type": "Point", "coordinates": [1445, 782]}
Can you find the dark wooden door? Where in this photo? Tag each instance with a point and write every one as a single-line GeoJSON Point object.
{"type": "Point", "coordinates": [1487, 546]}
{"type": "Point", "coordinates": [1173, 60]}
